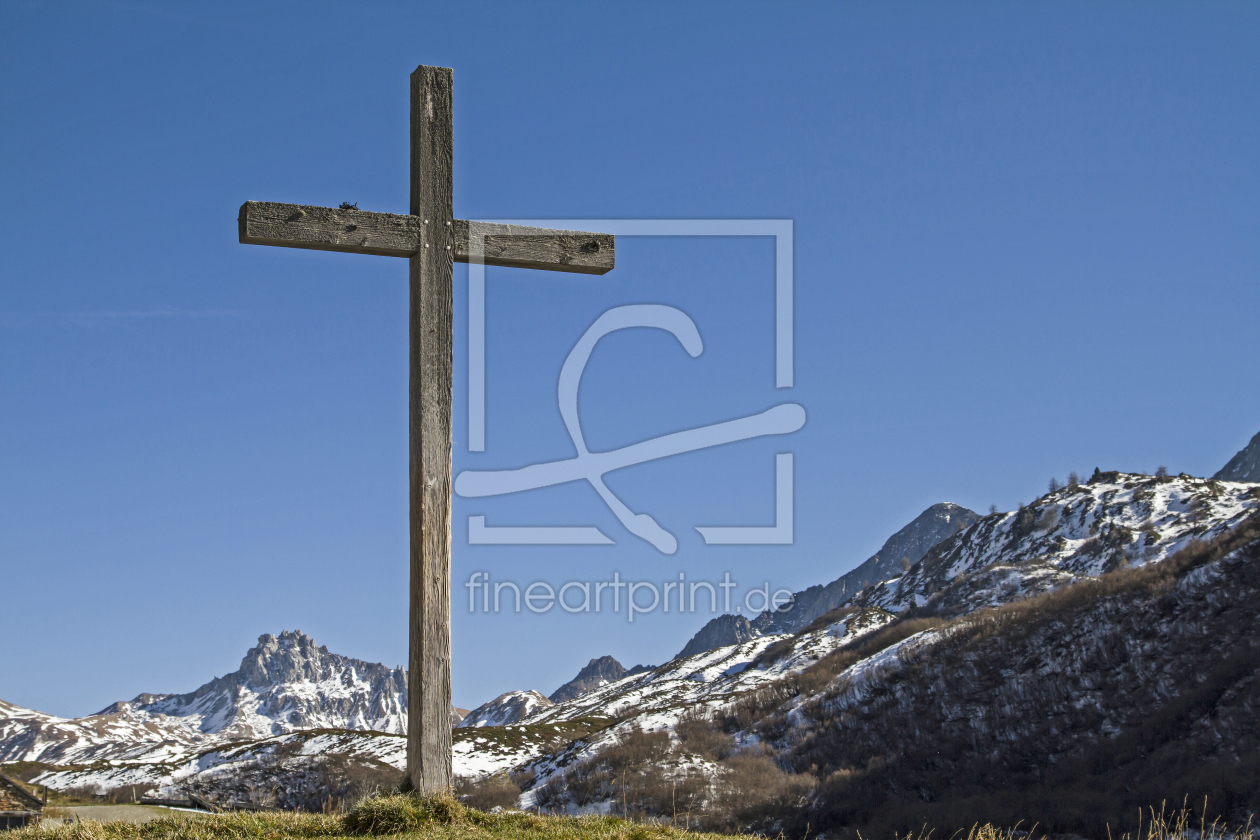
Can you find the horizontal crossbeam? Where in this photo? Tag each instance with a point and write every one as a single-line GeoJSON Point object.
{"type": "Point", "coordinates": [393, 235]}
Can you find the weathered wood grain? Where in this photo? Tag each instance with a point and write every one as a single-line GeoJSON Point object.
{"type": "Point", "coordinates": [429, 678]}
{"type": "Point", "coordinates": [517, 246]}
{"type": "Point", "coordinates": [394, 235]}
{"type": "Point", "coordinates": [328, 229]}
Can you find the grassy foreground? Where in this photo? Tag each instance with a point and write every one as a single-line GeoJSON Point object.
{"type": "Point", "coordinates": [443, 817]}
{"type": "Point", "coordinates": [440, 817]}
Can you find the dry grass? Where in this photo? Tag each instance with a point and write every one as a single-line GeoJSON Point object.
{"type": "Point", "coordinates": [439, 817]}
{"type": "Point", "coordinates": [1183, 824]}
{"type": "Point", "coordinates": [442, 817]}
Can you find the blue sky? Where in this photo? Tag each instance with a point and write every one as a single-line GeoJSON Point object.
{"type": "Point", "coordinates": [1025, 243]}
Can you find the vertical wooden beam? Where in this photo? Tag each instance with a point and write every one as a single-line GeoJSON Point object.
{"type": "Point", "coordinates": [429, 680]}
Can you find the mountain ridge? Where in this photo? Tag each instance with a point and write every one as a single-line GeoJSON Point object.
{"type": "Point", "coordinates": [907, 546]}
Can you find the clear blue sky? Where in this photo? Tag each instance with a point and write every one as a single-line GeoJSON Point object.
{"type": "Point", "coordinates": [1026, 243]}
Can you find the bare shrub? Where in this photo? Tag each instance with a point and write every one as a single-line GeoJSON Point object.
{"type": "Point", "coordinates": [627, 772]}
{"type": "Point", "coordinates": [1024, 522]}
{"type": "Point", "coordinates": [487, 793]}
{"type": "Point", "coordinates": [703, 737]}
{"type": "Point", "coordinates": [84, 793]}
{"type": "Point", "coordinates": [746, 711]}
{"type": "Point", "coordinates": [754, 791]}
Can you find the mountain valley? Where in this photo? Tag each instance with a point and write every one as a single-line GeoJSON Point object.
{"type": "Point", "coordinates": [1094, 650]}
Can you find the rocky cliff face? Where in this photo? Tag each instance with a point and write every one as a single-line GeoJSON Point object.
{"type": "Point", "coordinates": [596, 674]}
{"type": "Point", "coordinates": [899, 552]}
{"type": "Point", "coordinates": [1245, 466]}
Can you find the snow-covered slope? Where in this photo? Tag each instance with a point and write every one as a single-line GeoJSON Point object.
{"type": "Point", "coordinates": [123, 734]}
{"type": "Point", "coordinates": [715, 675]}
{"type": "Point", "coordinates": [506, 708]}
{"type": "Point", "coordinates": [1107, 693]}
{"type": "Point", "coordinates": [907, 546]}
{"type": "Point", "coordinates": [1113, 521]}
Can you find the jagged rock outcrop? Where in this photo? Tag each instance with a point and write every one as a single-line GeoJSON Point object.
{"type": "Point", "coordinates": [506, 708]}
{"type": "Point", "coordinates": [597, 673]}
{"type": "Point", "coordinates": [720, 632]}
{"type": "Point", "coordinates": [1245, 466]}
{"type": "Point", "coordinates": [899, 552]}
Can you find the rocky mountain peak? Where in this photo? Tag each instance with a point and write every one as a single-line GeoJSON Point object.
{"type": "Point", "coordinates": [290, 657]}
{"type": "Point", "coordinates": [1245, 466]}
{"type": "Point", "coordinates": [720, 632]}
{"type": "Point", "coordinates": [286, 683]}
{"type": "Point", "coordinates": [598, 672]}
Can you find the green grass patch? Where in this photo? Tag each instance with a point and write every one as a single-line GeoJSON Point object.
{"type": "Point", "coordinates": [515, 737]}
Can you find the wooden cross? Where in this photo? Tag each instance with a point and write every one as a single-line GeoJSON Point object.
{"type": "Point", "coordinates": [431, 239]}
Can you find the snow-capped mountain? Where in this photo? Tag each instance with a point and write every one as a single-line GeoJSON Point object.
{"type": "Point", "coordinates": [27, 735]}
{"type": "Point", "coordinates": [596, 673]}
{"type": "Point", "coordinates": [1095, 561]}
{"type": "Point", "coordinates": [663, 695]}
{"type": "Point", "coordinates": [1120, 667]}
{"type": "Point", "coordinates": [1114, 520]}
{"type": "Point", "coordinates": [1073, 705]}
{"type": "Point", "coordinates": [506, 708]}
{"type": "Point", "coordinates": [286, 683]}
